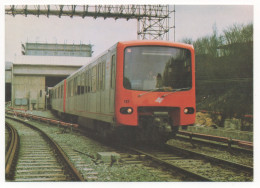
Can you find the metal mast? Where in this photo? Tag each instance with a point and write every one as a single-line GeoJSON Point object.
{"type": "Point", "coordinates": [153, 20]}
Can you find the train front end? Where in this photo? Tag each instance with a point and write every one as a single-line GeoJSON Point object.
{"type": "Point", "coordinates": [155, 85]}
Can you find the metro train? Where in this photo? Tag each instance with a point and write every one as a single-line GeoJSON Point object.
{"type": "Point", "coordinates": [138, 89]}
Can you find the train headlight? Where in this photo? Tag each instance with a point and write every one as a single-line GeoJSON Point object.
{"type": "Point", "coordinates": [189, 110]}
{"type": "Point", "coordinates": [126, 110]}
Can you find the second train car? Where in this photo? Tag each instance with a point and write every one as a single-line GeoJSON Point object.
{"type": "Point", "coordinates": [142, 89]}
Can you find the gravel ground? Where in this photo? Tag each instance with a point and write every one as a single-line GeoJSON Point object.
{"type": "Point", "coordinates": [241, 158]}
{"type": "Point", "coordinates": [121, 172]}
{"type": "Point", "coordinates": [118, 172]}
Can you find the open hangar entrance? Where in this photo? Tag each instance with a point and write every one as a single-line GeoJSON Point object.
{"type": "Point", "coordinates": [51, 81]}
{"type": "Point", "coordinates": [8, 92]}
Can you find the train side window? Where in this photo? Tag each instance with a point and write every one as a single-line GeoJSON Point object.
{"type": "Point", "coordinates": [100, 80]}
{"type": "Point", "coordinates": [69, 88]}
{"type": "Point", "coordinates": [78, 85]}
{"type": "Point", "coordinates": [86, 81]}
{"type": "Point", "coordinates": [90, 80]}
{"type": "Point", "coordinates": [82, 84]}
{"type": "Point", "coordinates": [103, 75]}
{"type": "Point", "coordinates": [98, 76]}
{"type": "Point", "coordinates": [58, 92]}
{"type": "Point", "coordinates": [94, 79]}
{"type": "Point", "coordinates": [112, 83]}
{"type": "Point", "coordinates": [62, 91]}
{"type": "Point", "coordinates": [75, 86]}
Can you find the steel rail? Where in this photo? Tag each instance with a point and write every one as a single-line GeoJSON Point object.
{"type": "Point", "coordinates": [213, 144]}
{"type": "Point", "coordinates": [12, 148]}
{"type": "Point", "coordinates": [77, 175]}
{"type": "Point", "coordinates": [172, 166]}
{"type": "Point", "coordinates": [227, 140]}
{"type": "Point", "coordinates": [210, 158]}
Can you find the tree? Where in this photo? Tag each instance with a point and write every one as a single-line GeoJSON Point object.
{"type": "Point", "coordinates": [220, 61]}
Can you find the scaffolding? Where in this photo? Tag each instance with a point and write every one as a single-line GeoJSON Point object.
{"type": "Point", "coordinates": [153, 20]}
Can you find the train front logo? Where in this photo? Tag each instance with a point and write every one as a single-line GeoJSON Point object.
{"type": "Point", "coordinates": [159, 99]}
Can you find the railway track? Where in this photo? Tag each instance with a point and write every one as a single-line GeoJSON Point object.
{"type": "Point", "coordinates": [38, 158]}
{"type": "Point", "coordinates": [216, 141]}
{"type": "Point", "coordinates": [193, 166]}
{"type": "Point", "coordinates": [197, 166]}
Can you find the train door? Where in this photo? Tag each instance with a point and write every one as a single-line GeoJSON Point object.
{"type": "Point", "coordinates": [112, 84]}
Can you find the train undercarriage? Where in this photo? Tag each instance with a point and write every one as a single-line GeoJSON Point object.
{"type": "Point", "coordinates": [157, 128]}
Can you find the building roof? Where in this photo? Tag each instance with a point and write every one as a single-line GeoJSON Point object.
{"type": "Point", "coordinates": [51, 60]}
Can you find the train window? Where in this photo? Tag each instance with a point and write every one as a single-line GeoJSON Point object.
{"type": "Point", "coordinates": [98, 77]}
{"type": "Point", "coordinates": [86, 81]}
{"type": "Point", "coordinates": [71, 88]}
{"type": "Point", "coordinates": [75, 86]}
{"type": "Point", "coordinates": [94, 79]}
{"type": "Point", "coordinates": [78, 85]}
{"type": "Point", "coordinates": [82, 84]}
{"type": "Point", "coordinates": [68, 85]}
{"type": "Point", "coordinates": [112, 83]}
{"type": "Point", "coordinates": [62, 91]}
{"type": "Point", "coordinates": [90, 80]}
{"type": "Point", "coordinates": [58, 92]}
{"type": "Point", "coordinates": [160, 67]}
{"type": "Point", "coordinates": [68, 88]}
{"type": "Point", "coordinates": [103, 75]}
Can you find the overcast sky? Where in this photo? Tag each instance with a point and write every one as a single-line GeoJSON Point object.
{"type": "Point", "coordinates": [191, 21]}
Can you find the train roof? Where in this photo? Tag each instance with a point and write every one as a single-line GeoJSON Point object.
{"type": "Point", "coordinates": [155, 42]}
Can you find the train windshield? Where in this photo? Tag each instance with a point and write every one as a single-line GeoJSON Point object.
{"type": "Point", "coordinates": [153, 67]}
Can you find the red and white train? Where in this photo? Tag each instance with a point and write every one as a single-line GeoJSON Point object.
{"type": "Point", "coordinates": [140, 87]}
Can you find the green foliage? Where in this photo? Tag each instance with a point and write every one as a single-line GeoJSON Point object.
{"type": "Point", "coordinates": [239, 34]}
{"type": "Point", "coordinates": [224, 71]}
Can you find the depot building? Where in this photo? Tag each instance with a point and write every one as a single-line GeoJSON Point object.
{"type": "Point", "coordinates": [41, 67]}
